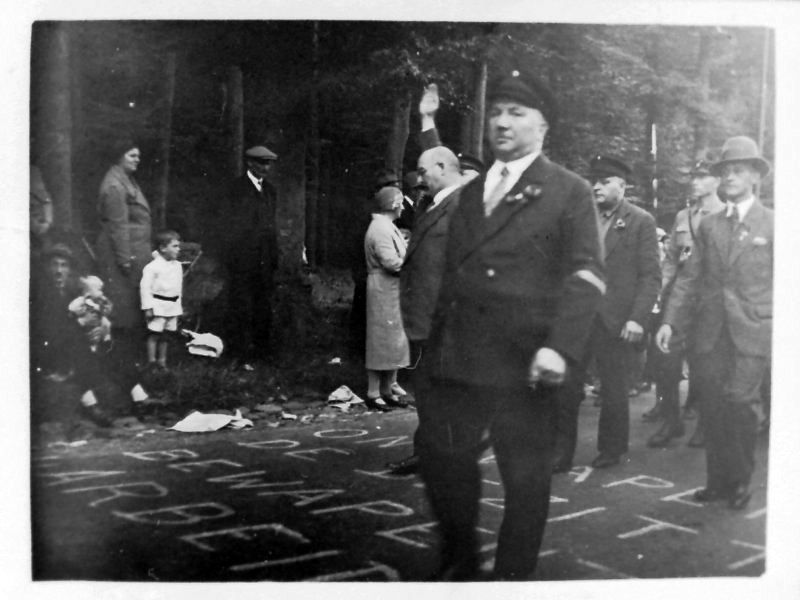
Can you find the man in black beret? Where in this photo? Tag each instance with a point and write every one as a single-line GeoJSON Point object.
{"type": "Point", "coordinates": [521, 282]}
{"type": "Point", "coordinates": [634, 278]}
{"type": "Point", "coordinates": [241, 231]}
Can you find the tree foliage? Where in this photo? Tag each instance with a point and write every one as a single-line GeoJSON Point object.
{"type": "Point", "coordinates": [610, 82]}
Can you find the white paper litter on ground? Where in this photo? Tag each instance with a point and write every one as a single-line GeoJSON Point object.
{"type": "Point", "coordinates": [198, 422]}
{"type": "Point", "coordinates": [344, 394]}
{"type": "Point", "coordinates": [203, 344]}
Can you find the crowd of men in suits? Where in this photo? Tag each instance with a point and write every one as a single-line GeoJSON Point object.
{"type": "Point", "coordinates": [519, 279]}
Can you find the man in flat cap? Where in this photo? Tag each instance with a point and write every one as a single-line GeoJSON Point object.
{"type": "Point", "coordinates": [522, 279]}
{"type": "Point", "coordinates": [633, 277]}
{"type": "Point", "coordinates": [241, 232]}
{"type": "Point", "coordinates": [722, 299]}
{"type": "Point", "coordinates": [703, 201]}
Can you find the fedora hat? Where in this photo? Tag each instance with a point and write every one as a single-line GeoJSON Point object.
{"type": "Point", "coordinates": [740, 149]}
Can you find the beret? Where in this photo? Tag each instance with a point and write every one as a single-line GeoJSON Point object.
{"type": "Point", "coordinates": [525, 89]}
{"type": "Point", "coordinates": [609, 166]}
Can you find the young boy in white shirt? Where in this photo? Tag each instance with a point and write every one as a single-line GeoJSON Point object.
{"type": "Point", "coordinates": [161, 289]}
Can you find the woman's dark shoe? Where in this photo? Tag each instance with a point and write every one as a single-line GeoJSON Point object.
{"type": "Point", "coordinates": [394, 401]}
{"type": "Point", "coordinates": [377, 404]}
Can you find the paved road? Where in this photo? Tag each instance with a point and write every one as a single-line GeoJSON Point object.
{"type": "Point", "coordinates": [314, 502]}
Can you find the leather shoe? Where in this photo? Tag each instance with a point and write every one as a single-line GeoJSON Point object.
{"type": "Point", "coordinates": [373, 404]}
{"type": "Point", "coordinates": [604, 461]}
{"type": "Point", "coordinates": [662, 437]}
{"type": "Point", "coordinates": [698, 439]}
{"type": "Point", "coordinates": [394, 401]}
{"type": "Point", "coordinates": [408, 466]}
{"type": "Point", "coordinates": [740, 497]}
{"type": "Point", "coordinates": [710, 495]}
{"type": "Point", "coordinates": [654, 414]}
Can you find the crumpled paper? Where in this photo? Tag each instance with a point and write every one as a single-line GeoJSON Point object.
{"type": "Point", "coordinates": [197, 422]}
{"type": "Point", "coordinates": [203, 344]}
{"type": "Point", "coordinates": [343, 398]}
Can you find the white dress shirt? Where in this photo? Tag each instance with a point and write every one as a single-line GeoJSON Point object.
{"type": "Point", "coordinates": [515, 169]}
{"type": "Point", "coordinates": [742, 207]}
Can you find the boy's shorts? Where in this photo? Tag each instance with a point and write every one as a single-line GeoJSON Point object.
{"type": "Point", "coordinates": [158, 324]}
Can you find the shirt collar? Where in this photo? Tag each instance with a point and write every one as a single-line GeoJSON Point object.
{"type": "Point", "coordinates": [256, 181]}
{"type": "Point", "coordinates": [442, 194]}
{"type": "Point", "coordinates": [515, 167]}
{"type": "Point", "coordinates": [608, 214]}
{"type": "Point", "coordinates": [743, 207]}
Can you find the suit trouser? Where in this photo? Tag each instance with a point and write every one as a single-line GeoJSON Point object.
{"type": "Point", "coordinates": [729, 384]}
{"type": "Point", "coordinates": [570, 397]}
{"type": "Point", "coordinates": [611, 352]}
{"type": "Point", "coordinates": [669, 371]}
{"type": "Point", "coordinates": [249, 313]}
{"type": "Point", "coordinates": [521, 423]}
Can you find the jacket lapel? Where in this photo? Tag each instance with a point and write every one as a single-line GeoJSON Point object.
{"type": "Point", "coordinates": [427, 220]}
{"type": "Point", "coordinates": [613, 234]}
{"type": "Point", "coordinates": [485, 228]}
{"type": "Point", "coordinates": [747, 229]}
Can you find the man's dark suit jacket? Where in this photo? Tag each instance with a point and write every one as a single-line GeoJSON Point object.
{"type": "Point", "coordinates": [528, 276]}
{"type": "Point", "coordinates": [240, 227]}
{"type": "Point", "coordinates": [633, 273]}
{"type": "Point", "coordinates": [421, 276]}
{"type": "Point", "coordinates": [728, 280]}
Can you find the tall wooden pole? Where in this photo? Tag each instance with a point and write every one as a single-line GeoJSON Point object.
{"type": "Point", "coordinates": [235, 121]}
{"type": "Point", "coordinates": [164, 142]}
{"type": "Point", "coordinates": [52, 124]}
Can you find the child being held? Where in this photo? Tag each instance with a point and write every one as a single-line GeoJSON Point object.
{"type": "Point", "coordinates": [92, 308]}
{"type": "Point", "coordinates": [160, 290]}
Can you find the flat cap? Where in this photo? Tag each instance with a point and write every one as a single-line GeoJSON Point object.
{"type": "Point", "coordinates": [609, 166]}
{"type": "Point", "coordinates": [61, 250]}
{"type": "Point", "coordinates": [261, 153]}
{"type": "Point", "coordinates": [524, 88]}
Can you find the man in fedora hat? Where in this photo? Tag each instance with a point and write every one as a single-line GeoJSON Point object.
{"type": "Point", "coordinates": [241, 231]}
{"type": "Point", "coordinates": [704, 201]}
{"type": "Point", "coordinates": [723, 299]}
{"type": "Point", "coordinates": [633, 277]}
{"type": "Point", "coordinates": [522, 279]}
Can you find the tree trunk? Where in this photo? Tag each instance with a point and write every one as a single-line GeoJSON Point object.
{"type": "Point", "coordinates": [398, 136]}
{"type": "Point", "coordinates": [479, 103]}
{"type": "Point", "coordinates": [701, 135]}
{"type": "Point", "coordinates": [164, 119]}
{"type": "Point", "coordinates": [52, 118]}
{"type": "Point", "coordinates": [312, 166]}
{"type": "Point", "coordinates": [235, 121]}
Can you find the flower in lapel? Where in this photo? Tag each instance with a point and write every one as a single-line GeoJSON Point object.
{"type": "Point", "coordinates": [530, 192]}
{"type": "Point", "coordinates": [620, 225]}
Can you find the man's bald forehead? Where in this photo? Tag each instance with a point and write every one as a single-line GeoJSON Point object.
{"type": "Point", "coordinates": [441, 154]}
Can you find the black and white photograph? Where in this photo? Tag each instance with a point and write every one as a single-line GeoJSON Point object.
{"type": "Point", "coordinates": [319, 297]}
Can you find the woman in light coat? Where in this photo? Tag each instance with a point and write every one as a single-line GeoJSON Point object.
{"type": "Point", "coordinates": [387, 346]}
{"type": "Point", "coordinates": [124, 244]}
